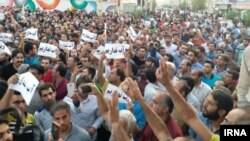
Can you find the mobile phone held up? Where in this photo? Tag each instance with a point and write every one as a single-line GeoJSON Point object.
{"type": "Point", "coordinates": [55, 131]}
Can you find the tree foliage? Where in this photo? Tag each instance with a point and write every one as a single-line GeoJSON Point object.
{"type": "Point", "coordinates": [183, 5]}
{"type": "Point", "coordinates": [154, 4]}
{"type": "Point", "coordinates": [246, 18]}
{"type": "Point", "coordinates": [231, 14]}
{"type": "Point", "coordinates": [198, 5]}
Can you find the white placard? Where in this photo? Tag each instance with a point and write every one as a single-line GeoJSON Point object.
{"type": "Point", "coordinates": [88, 36]}
{"type": "Point", "coordinates": [132, 34]}
{"type": "Point", "coordinates": [47, 50]}
{"type": "Point", "coordinates": [105, 28]}
{"type": "Point", "coordinates": [123, 98]}
{"type": "Point", "coordinates": [99, 51]}
{"type": "Point", "coordinates": [4, 48]}
{"type": "Point", "coordinates": [66, 45]}
{"type": "Point", "coordinates": [6, 37]}
{"type": "Point", "coordinates": [26, 85]}
{"type": "Point", "coordinates": [2, 16]}
{"type": "Point", "coordinates": [71, 89]}
{"type": "Point", "coordinates": [115, 51]}
{"type": "Point", "coordinates": [31, 34]}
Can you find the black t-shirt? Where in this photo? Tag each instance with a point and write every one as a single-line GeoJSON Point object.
{"type": "Point", "coordinates": [7, 71]}
{"type": "Point", "coordinates": [138, 62]}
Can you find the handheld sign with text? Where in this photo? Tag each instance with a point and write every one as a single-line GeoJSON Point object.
{"type": "Point", "coordinates": [4, 48]}
{"type": "Point", "coordinates": [66, 45]}
{"type": "Point", "coordinates": [115, 51]}
{"type": "Point", "coordinates": [123, 98]}
{"type": "Point", "coordinates": [99, 51]}
{"type": "Point", "coordinates": [2, 16]}
{"type": "Point", "coordinates": [88, 36]}
{"type": "Point", "coordinates": [47, 50]}
{"type": "Point", "coordinates": [132, 34]}
{"type": "Point", "coordinates": [31, 34]}
{"type": "Point", "coordinates": [6, 37]}
{"type": "Point", "coordinates": [26, 85]}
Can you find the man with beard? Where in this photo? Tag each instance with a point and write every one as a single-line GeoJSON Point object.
{"type": "Point", "coordinates": [10, 69]}
{"type": "Point", "coordinates": [42, 116]}
{"type": "Point", "coordinates": [214, 110]}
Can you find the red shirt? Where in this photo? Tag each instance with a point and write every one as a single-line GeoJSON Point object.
{"type": "Point", "coordinates": [61, 89]}
{"type": "Point", "coordinates": [174, 130]}
{"type": "Point", "coordinates": [47, 77]}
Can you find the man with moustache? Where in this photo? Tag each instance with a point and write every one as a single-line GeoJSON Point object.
{"type": "Point", "coordinates": [215, 108]}
{"type": "Point", "coordinates": [42, 116]}
{"type": "Point", "coordinates": [10, 69]}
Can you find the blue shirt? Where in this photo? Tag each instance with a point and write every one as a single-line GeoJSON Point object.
{"type": "Point", "coordinates": [138, 112]}
{"type": "Point", "coordinates": [43, 118]}
{"type": "Point", "coordinates": [196, 65]}
{"type": "Point", "coordinates": [207, 123]}
{"type": "Point", "coordinates": [210, 81]}
{"type": "Point", "coordinates": [30, 61]}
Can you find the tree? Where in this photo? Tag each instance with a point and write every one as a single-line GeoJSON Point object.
{"type": "Point", "coordinates": [246, 18]}
{"type": "Point", "coordinates": [231, 14]}
{"type": "Point", "coordinates": [154, 4]}
{"type": "Point", "coordinates": [198, 5]}
{"type": "Point", "coordinates": [183, 5]}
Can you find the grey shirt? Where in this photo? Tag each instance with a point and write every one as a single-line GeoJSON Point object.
{"type": "Point", "coordinates": [43, 118]}
{"type": "Point", "coordinates": [76, 134]}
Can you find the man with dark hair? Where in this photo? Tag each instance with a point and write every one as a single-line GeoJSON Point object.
{"type": "Point", "coordinates": [151, 62]}
{"type": "Point", "coordinates": [201, 89]}
{"type": "Point", "coordinates": [11, 68]}
{"type": "Point", "coordinates": [208, 76]}
{"type": "Point", "coordinates": [71, 64]}
{"type": "Point", "coordinates": [68, 131]}
{"type": "Point", "coordinates": [48, 96]}
{"type": "Point", "coordinates": [201, 55]}
{"type": "Point", "coordinates": [153, 85]}
{"type": "Point", "coordinates": [193, 57]}
{"type": "Point", "coordinates": [215, 108]}
{"type": "Point", "coordinates": [180, 55]}
{"type": "Point", "coordinates": [184, 68]}
{"type": "Point", "coordinates": [5, 133]}
{"type": "Point", "coordinates": [30, 50]}
{"type": "Point", "coordinates": [231, 79]}
{"type": "Point", "coordinates": [47, 76]}
{"type": "Point", "coordinates": [221, 67]}
{"type": "Point", "coordinates": [59, 80]}
{"type": "Point", "coordinates": [140, 57]}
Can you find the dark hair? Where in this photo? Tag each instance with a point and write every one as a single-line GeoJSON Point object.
{"type": "Point", "coordinates": [92, 71]}
{"type": "Point", "coordinates": [45, 86]}
{"type": "Point", "coordinates": [15, 52]}
{"type": "Point", "coordinates": [223, 99]}
{"type": "Point", "coordinates": [120, 73]}
{"type": "Point", "coordinates": [83, 79]}
{"type": "Point", "coordinates": [190, 83]}
{"type": "Point", "coordinates": [194, 52]}
{"type": "Point", "coordinates": [3, 122]}
{"type": "Point", "coordinates": [47, 58]}
{"type": "Point", "coordinates": [201, 49]}
{"type": "Point", "coordinates": [170, 57]}
{"type": "Point", "coordinates": [153, 60]}
{"type": "Point", "coordinates": [3, 88]}
{"type": "Point", "coordinates": [168, 103]}
{"type": "Point", "coordinates": [225, 57]}
{"type": "Point", "coordinates": [210, 62]}
{"type": "Point", "coordinates": [234, 73]}
{"type": "Point", "coordinates": [16, 93]}
{"type": "Point", "coordinates": [150, 75]}
{"type": "Point", "coordinates": [28, 46]}
{"type": "Point", "coordinates": [61, 105]}
{"type": "Point", "coordinates": [37, 67]}
{"type": "Point", "coordinates": [62, 69]}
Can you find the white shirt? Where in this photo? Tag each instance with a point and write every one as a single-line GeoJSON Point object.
{"type": "Point", "coordinates": [151, 89]}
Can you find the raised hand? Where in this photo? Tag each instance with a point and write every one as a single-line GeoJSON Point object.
{"type": "Point", "coordinates": [162, 73]}
{"type": "Point", "coordinates": [113, 109]}
{"type": "Point", "coordinates": [133, 90]}
{"type": "Point", "coordinates": [13, 79]}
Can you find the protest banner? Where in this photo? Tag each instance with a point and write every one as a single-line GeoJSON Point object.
{"type": "Point", "coordinates": [31, 34]}
{"type": "Point", "coordinates": [4, 48]}
{"type": "Point", "coordinates": [47, 50]}
{"type": "Point", "coordinates": [26, 85]}
{"type": "Point", "coordinates": [123, 98]}
{"type": "Point", "coordinates": [66, 45]}
{"type": "Point", "coordinates": [88, 36]}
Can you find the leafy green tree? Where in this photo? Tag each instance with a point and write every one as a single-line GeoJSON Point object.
{"type": "Point", "coordinates": [198, 5]}
{"type": "Point", "coordinates": [231, 14]}
{"type": "Point", "coordinates": [154, 4]}
{"type": "Point", "coordinates": [246, 18]}
{"type": "Point", "coordinates": [183, 5]}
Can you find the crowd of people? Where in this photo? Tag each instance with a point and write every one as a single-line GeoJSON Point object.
{"type": "Point", "coordinates": [185, 75]}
